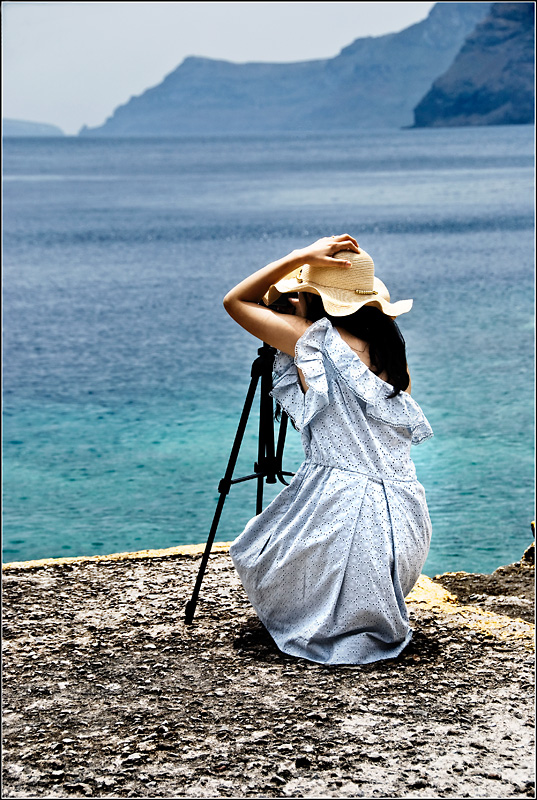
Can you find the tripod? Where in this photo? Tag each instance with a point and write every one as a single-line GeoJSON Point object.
{"type": "Point", "coordinates": [269, 461]}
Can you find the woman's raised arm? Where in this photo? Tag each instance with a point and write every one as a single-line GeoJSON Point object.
{"type": "Point", "coordinates": [282, 330]}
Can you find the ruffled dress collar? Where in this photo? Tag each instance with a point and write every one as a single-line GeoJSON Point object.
{"type": "Point", "coordinates": [320, 345]}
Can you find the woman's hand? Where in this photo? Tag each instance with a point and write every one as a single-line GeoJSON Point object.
{"type": "Point", "coordinates": [321, 252]}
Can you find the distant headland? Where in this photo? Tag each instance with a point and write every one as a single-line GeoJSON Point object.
{"type": "Point", "coordinates": [19, 127]}
{"type": "Point", "coordinates": [375, 82]}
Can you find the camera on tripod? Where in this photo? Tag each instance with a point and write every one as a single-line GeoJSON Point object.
{"type": "Point", "coordinates": [282, 304]}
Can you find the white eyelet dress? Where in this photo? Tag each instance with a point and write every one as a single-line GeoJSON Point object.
{"type": "Point", "coordinates": [328, 563]}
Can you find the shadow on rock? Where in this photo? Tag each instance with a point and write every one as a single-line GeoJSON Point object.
{"type": "Point", "coordinates": [422, 647]}
{"type": "Point", "coordinates": [255, 641]}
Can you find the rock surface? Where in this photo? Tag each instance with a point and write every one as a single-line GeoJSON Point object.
{"type": "Point", "coordinates": [491, 81]}
{"type": "Point", "coordinates": [374, 82]}
{"type": "Point", "coordinates": [108, 694]}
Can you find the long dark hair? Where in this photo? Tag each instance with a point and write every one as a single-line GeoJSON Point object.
{"type": "Point", "coordinates": [387, 352]}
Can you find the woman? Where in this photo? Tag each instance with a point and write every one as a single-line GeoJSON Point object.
{"type": "Point", "coordinates": [328, 563]}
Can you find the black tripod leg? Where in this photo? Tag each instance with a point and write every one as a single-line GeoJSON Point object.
{"type": "Point", "coordinates": [223, 488]}
{"type": "Point", "coordinates": [265, 455]}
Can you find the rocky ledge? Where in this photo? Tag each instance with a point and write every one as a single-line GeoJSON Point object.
{"type": "Point", "coordinates": [107, 693]}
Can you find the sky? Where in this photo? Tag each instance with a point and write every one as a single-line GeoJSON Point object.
{"type": "Point", "coordinates": [71, 64]}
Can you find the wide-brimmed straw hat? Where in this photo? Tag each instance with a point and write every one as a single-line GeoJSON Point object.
{"type": "Point", "coordinates": [343, 291]}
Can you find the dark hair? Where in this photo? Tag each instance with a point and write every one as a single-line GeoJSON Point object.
{"type": "Point", "coordinates": [387, 352]}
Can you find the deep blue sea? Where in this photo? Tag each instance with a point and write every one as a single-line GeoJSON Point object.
{"type": "Point", "coordinates": [124, 378]}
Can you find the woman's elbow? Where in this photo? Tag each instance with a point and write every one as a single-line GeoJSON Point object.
{"type": "Point", "coordinates": [229, 303]}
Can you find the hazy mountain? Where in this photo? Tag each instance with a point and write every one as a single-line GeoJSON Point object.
{"type": "Point", "coordinates": [19, 127]}
{"type": "Point", "coordinates": [491, 81]}
{"type": "Point", "coordinates": [374, 82]}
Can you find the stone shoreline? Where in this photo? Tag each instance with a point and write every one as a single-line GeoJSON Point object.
{"type": "Point", "coordinates": [107, 693]}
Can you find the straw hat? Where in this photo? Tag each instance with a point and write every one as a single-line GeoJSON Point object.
{"type": "Point", "coordinates": [343, 291]}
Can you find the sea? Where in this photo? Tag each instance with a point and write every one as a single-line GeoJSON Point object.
{"type": "Point", "coordinates": [124, 379]}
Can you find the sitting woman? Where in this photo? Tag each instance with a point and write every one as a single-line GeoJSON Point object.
{"type": "Point", "coordinates": [328, 564]}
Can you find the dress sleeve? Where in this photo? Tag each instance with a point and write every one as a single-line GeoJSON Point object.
{"type": "Point", "coordinates": [286, 388]}
{"type": "Point", "coordinates": [302, 406]}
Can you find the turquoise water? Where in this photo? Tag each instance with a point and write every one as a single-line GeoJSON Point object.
{"type": "Point", "coordinates": [124, 378]}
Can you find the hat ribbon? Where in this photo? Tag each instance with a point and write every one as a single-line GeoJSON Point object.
{"type": "Point", "coordinates": [300, 279]}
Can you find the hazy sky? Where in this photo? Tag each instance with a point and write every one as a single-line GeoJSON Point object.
{"type": "Point", "coordinates": [72, 64]}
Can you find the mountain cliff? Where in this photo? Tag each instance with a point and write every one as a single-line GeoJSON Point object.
{"type": "Point", "coordinates": [374, 82]}
{"type": "Point", "coordinates": [491, 81]}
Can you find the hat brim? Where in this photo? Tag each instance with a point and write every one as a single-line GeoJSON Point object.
{"type": "Point", "coordinates": [338, 302]}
